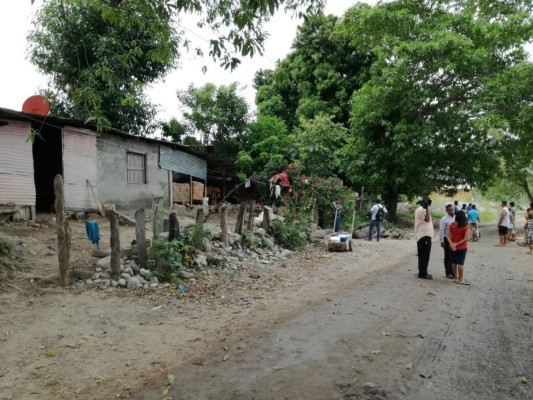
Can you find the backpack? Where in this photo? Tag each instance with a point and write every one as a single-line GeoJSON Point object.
{"type": "Point", "coordinates": [380, 214]}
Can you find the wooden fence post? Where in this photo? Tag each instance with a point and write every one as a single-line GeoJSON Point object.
{"type": "Point", "coordinates": [63, 231]}
{"type": "Point", "coordinates": [158, 222]}
{"type": "Point", "coordinates": [251, 215]}
{"type": "Point", "coordinates": [173, 227]}
{"type": "Point", "coordinates": [224, 224]}
{"type": "Point", "coordinates": [240, 218]}
{"type": "Point", "coordinates": [200, 217]}
{"type": "Point", "coordinates": [115, 244]}
{"type": "Point", "coordinates": [140, 235]}
{"type": "Point", "coordinates": [266, 220]}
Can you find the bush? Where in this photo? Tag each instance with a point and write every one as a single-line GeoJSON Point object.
{"type": "Point", "coordinates": [5, 248]}
{"type": "Point", "coordinates": [289, 236]}
{"type": "Point", "coordinates": [168, 258]}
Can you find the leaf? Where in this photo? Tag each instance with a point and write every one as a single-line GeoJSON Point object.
{"type": "Point", "coordinates": [386, 334]}
{"type": "Point", "coordinates": [425, 376]}
{"type": "Point", "coordinates": [171, 378]}
{"type": "Point", "coordinates": [73, 346]}
{"type": "Point", "coordinates": [409, 365]}
{"type": "Point", "coordinates": [523, 380]}
{"type": "Point", "coordinates": [121, 327]}
{"type": "Point", "coordinates": [40, 347]}
{"type": "Point", "coordinates": [156, 308]}
{"type": "Point", "coordinates": [226, 357]}
{"type": "Point", "coordinates": [51, 353]}
{"type": "Point", "coordinates": [155, 362]}
{"type": "Point", "coordinates": [375, 352]}
{"type": "Point", "coordinates": [218, 313]}
{"type": "Point", "coordinates": [83, 340]}
{"type": "Point", "coordinates": [99, 379]}
{"type": "Point", "coordinates": [39, 366]}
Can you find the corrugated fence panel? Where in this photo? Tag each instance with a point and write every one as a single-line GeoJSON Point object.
{"type": "Point", "coordinates": [79, 164]}
{"type": "Point", "coordinates": [184, 163]}
{"type": "Point", "coordinates": [17, 184]}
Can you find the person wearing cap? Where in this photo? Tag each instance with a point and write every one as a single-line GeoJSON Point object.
{"type": "Point", "coordinates": [424, 234]}
{"type": "Point", "coordinates": [444, 224]}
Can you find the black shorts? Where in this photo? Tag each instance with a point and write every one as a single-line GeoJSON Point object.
{"type": "Point", "coordinates": [503, 230]}
{"type": "Point", "coordinates": [458, 257]}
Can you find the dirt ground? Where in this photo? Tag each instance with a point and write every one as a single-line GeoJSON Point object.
{"type": "Point", "coordinates": [327, 321]}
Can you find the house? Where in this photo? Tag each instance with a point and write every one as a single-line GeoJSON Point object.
{"type": "Point", "coordinates": [113, 167]}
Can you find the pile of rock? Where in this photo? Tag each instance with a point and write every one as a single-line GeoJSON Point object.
{"type": "Point", "coordinates": [262, 252]}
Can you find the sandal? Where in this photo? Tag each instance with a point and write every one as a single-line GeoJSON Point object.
{"type": "Point", "coordinates": [463, 283]}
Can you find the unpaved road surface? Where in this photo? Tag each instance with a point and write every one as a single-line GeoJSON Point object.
{"type": "Point", "coordinates": [405, 338]}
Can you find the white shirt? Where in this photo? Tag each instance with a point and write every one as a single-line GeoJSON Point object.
{"type": "Point", "coordinates": [506, 221]}
{"type": "Point", "coordinates": [423, 228]}
{"type": "Point", "coordinates": [374, 210]}
{"type": "Point", "coordinates": [444, 225]}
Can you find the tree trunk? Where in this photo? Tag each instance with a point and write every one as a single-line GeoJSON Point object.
{"type": "Point", "coordinates": [266, 220]}
{"type": "Point", "coordinates": [224, 224]}
{"type": "Point", "coordinates": [63, 231]}
{"type": "Point", "coordinates": [115, 244]}
{"type": "Point", "coordinates": [240, 218]}
{"type": "Point", "coordinates": [390, 201]}
{"type": "Point", "coordinates": [173, 227]}
{"type": "Point", "coordinates": [522, 180]}
{"type": "Point", "coordinates": [140, 235]}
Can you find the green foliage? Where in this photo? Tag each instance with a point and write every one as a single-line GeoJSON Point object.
{"type": "Point", "coordinates": [315, 141]}
{"type": "Point", "coordinates": [219, 115]}
{"type": "Point", "coordinates": [5, 248]}
{"type": "Point", "coordinates": [195, 235]}
{"type": "Point", "coordinates": [98, 63]}
{"type": "Point", "coordinates": [168, 257]}
{"type": "Point", "coordinates": [249, 239]}
{"type": "Point", "coordinates": [288, 235]}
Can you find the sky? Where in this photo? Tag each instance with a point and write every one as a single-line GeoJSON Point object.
{"type": "Point", "coordinates": [19, 79]}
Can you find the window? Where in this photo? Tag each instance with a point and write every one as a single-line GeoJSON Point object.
{"type": "Point", "coordinates": [136, 168]}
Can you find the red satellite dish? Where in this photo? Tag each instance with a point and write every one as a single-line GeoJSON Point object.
{"type": "Point", "coordinates": [36, 105]}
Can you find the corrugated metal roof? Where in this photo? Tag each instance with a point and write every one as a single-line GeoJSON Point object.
{"type": "Point", "coordinates": [17, 183]}
{"type": "Point", "coordinates": [184, 163]}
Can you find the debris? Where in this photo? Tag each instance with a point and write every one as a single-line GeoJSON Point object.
{"type": "Point", "coordinates": [375, 352]}
{"type": "Point", "coordinates": [386, 334]}
{"type": "Point", "coordinates": [523, 380]}
{"type": "Point", "coordinates": [409, 365]}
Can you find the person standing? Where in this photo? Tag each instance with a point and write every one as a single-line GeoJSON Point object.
{"type": "Point", "coordinates": [336, 210]}
{"type": "Point", "coordinates": [473, 218]}
{"type": "Point", "coordinates": [377, 213]}
{"type": "Point", "coordinates": [512, 227]}
{"type": "Point", "coordinates": [424, 234]}
{"type": "Point", "coordinates": [458, 236]}
{"type": "Point", "coordinates": [504, 221]}
{"type": "Point", "coordinates": [529, 228]}
{"type": "Point", "coordinates": [455, 206]}
{"type": "Point", "coordinates": [444, 224]}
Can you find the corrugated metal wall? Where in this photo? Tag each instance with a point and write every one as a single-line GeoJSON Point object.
{"type": "Point", "coordinates": [79, 164]}
{"type": "Point", "coordinates": [17, 184]}
{"type": "Point", "coordinates": [184, 163]}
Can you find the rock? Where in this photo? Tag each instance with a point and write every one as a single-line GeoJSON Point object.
{"type": "Point", "coordinates": [122, 282]}
{"type": "Point", "coordinates": [80, 274]}
{"type": "Point", "coordinates": [98, 275]}
{"type": "Point", "coordinates": [100, 253]}
{"type": "Point", "coordinates": [154, 285]}
{"type": "Point", "coordinates": [260, 232]}
{"type": "Point", "coordinates": [89, 281]}
{"type": "Point", "coordinates": [135, 268]}
{"type": "Point", "coordinates": [129, 271]}
{"type": "Point", "coordinates": [153, 280]}
{"type": "Point", "coordinates": [370, 387]}
{"type": "Point", "coordinates": [105, 275]}
{"type": "Point", "coordinates": [286, 253]}
{"type": "Point", "coordinates": [104, 263]}
{"type": "Point", "coordinates": [186, 275]}
{"type": "Point", "coordinates": [143, 272]}
{"type": "Point", "coordinates": [114, 283]}
{"type": "Point", "coordinates": [125, 275]}
{"type": "Point", "coordinates": [134, 283]}
{"type": "Point", "coordinates": [201, 260]}
{"type": "Point", "coordinates": [128, 252]}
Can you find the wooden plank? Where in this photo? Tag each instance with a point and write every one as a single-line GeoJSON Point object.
{"type": "Point", "coordinates": [140, 235]}
{"type": "Point", "coordinates": [115, 244]}
{"type": "Point", "coordinates": [63, 231]}
{"type": "Point", "coordinates": [96, 199]}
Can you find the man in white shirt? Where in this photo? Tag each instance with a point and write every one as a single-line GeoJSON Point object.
{"type": "Point", "coordinates": [377, 213]}
{"type": "Point", "coordinates": [445, 222]}
{"type": "Point", "coordinates": [504, 220]}
{"type": "Point", "coordinates": [424, 234]}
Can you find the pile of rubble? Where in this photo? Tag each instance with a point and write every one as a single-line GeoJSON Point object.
{"type": "Point", "coordinates": [261, 252]}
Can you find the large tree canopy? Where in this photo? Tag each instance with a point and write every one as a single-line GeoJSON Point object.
{"type": "Point", "coordinates": [100, 55]}
{"type": "Point", "coordinates": [416, 99]}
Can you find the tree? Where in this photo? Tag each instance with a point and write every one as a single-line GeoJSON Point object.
{"type": "Point", "coordinates": [317, 77]}
{"type": "Point", "coordinates": [419, 122]}
{"type": "Point", "coordinates": [315, 146]}
{"type": "Point", "coordinates": [100, 55]}
{"type": "Point", "coordinates": [265, 144]}
{"type": "Point", "coordinates": [218, 115]}
{"type": "Point", "coordinates": [98, 66]}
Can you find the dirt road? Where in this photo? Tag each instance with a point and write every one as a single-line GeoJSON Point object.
{"type": "Point", "coordinates": [389, 335]}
